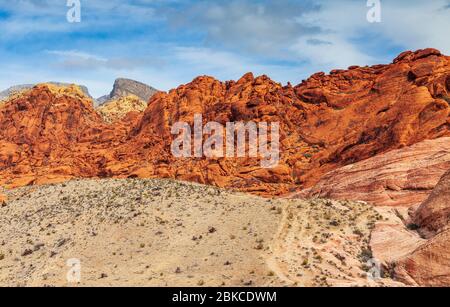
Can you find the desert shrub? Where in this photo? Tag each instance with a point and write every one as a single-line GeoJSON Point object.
{"type": "Point", "coordinates": [366, 255]}
{"type": "Point", "coordinates": [413, 226]}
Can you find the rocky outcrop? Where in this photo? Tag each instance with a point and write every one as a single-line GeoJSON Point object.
{"type": "Point", "coordinates": [416, 250]}
{"type": "Point", "coordinates": [3, 200]}
{"type": "Point", "coordinates": [326, 122]}
{"type": "Point", "coordinates": [117, 109]}
{"type": "Point", "coordinates": [402, 177]}
{"type": "Point", "coordinates": [18, 89]}
{"type": "Point", "coordinates": [428, 265]}
{"type": "Point", "coordinates": [48, 135]}
{"type": "Point", "coordinates": [126, 87]}
{"type": "Point", "coordinates": [434, 214]}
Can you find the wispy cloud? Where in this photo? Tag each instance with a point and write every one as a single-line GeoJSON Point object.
{"type": "Point", "coordinates": [264, 28]}
{"type": "Point", "coordinates": [74, 59]}
{"type": "Point", "coordinates": [167, 42]}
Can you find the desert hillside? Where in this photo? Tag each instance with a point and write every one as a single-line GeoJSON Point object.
{"type": "Point", "coordinates": [167, 233]}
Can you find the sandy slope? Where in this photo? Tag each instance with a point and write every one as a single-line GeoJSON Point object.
{"type": "Point", "coordinates": [166, 233]}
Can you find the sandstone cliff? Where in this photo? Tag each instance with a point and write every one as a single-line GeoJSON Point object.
{"type": "Point", "coordinates": [19, 89]}
{"type": "Point", "coordinates": [401, 177]}
{"type": "Point", "coordinates": [434, 214]}
{"type": "Point", "coordinates": [429, 265]}
{"type": "Point", "coordinates": [326, 122]}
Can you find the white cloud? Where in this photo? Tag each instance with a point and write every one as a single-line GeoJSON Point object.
{"type": "Point", "coordinates": [287, 40]}
{"type": "Point", "coordinates": [264, 28]}
{"type": "Point", "coordinates": [230, 66]}
{"type": "Point", "coordinates": [337, 53]}
{"type": "Point", "coordinates": [417, 24]}
{"type": "Point", "coordinates": [76, 54]}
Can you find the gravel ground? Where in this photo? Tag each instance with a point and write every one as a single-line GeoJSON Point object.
{"type": "Point", "coordinates": [167, 233]}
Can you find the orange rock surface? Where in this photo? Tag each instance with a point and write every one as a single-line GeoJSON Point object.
{"type": "Point", "coordinates": [326, 122]}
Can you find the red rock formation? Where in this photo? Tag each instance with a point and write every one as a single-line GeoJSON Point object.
{"type": "Point", "coordinates": [434, 214]}
{"type": "Point", "coordinates": [418, 260]}
{"type": "Point", "coordinates": [51, 134]}
{"type": "Point", "coordinates": [401, 177]}
{"type": "Point", "coordinates": [430, 264]}
{"type": "Point", "coordinates": [326, 122]}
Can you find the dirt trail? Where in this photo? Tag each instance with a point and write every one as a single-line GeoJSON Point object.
{"type": "Point", "coordinates": [323, 243]}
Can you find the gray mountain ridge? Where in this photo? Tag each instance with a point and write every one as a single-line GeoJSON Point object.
{"type": "Point", "coordinates": [16, 88]}
{"type": "Point", "coordinates": [122, 87]}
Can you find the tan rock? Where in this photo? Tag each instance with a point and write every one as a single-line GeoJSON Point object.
{"type": "Point", "coordinates": [118, 108]}
{"type": "Point", "coordinates": [391, 241]}
{"type": "Point", "coordinates": [428, 263]}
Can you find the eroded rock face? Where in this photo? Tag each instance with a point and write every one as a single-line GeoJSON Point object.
{"type": "Point", "coordinates": [326, 122]}
{"type": "Point", "coordinates": [420, 255]}
{"type": "Point", "coordinates": [127, 87]}
{"type": "Point", "coordinates": [118, 108]}
{"type": "Point", "coordinates": [428, 265]}
{"type": "Point", "coordinates": [401, 177]}
{"type": "Point", "coordinates": [18, 89]}
{"type": "Point", "coordinates": [434, 213]}
{"type": "Point", "coordinates": [51, 134]}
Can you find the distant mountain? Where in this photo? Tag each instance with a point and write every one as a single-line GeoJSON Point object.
{"type": "Point", "coordinates": [18, 88]}
{"type": "Point", "coordinates": [126, 96]}
{"type": "Point", "coordinates": [126, 87]}
{"type": "Point", "coordinates": [14, 89]}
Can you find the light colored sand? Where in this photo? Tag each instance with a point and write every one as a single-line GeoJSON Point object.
{"type": "Point", "coordinates": [166, 233]}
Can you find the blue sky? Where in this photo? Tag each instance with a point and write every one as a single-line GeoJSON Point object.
{"type": "Point", "coordinates": [166, 43]}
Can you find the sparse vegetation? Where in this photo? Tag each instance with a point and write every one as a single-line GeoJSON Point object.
{"type": "Point", "coordinates": [103, 210]}
{"type": "Point", "coordinates": [413, 227]}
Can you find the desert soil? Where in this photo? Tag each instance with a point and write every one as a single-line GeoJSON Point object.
{"type": "Point", "coordinates": [167, 233]}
